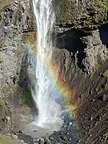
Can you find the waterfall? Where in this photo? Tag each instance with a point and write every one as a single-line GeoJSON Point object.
{"type": "Point", "coordinates": [49, 110]}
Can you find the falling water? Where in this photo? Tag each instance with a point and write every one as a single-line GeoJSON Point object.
{"type": "Point", "coordinates": [48, 109]}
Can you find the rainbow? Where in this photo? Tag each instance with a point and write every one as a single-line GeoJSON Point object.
{"type": "Point", "coordinates": [61, 87]}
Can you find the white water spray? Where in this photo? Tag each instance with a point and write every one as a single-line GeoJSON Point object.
{"type": "Point", "coordinates": [49, 110]}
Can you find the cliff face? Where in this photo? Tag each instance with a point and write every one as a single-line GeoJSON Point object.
{"type": "Point", "coordinates": [82, 14]}
{"type": "Point", "coordinates": [81, 55]}
{"type": "Point", "coordinates": [15, 20]}
{"type": "Point", "coordinates": [81, 32]}
{"type": "Point", "coordinates": [81, 37]}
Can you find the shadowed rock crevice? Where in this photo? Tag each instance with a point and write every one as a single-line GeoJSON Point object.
{"type": "Point", "coordinates": [71, 41]}
{"type": "Point", "coordinates": [26, 81]}
{"type": "Point", "coordinates": [104, 34]}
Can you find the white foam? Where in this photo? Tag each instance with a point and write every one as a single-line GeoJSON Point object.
{"type": "Point", "coordinates": [49, 111]}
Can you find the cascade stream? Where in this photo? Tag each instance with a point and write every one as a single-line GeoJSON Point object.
{"type": "Point", "coordinates": [49, 110]}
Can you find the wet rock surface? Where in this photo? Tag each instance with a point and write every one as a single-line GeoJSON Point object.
{"type": "Point", "coordinates": [67, 135]}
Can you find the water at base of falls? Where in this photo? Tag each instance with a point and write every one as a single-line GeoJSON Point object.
{"type": "Point", "coordinates": [36, 131]}
{"type": "Point", "coordinates": [49, 111]}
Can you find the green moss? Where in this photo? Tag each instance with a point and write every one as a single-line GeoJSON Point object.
{"type": "Point", "coordinates": [102, 5]}
{"type": "Point", "coordinates": [5, 140]}
{"type": "Point", "coordinates": [82, 15]}
{"type": "Point", "coordinates": [102, 9]}
{"type": "Point", "coordinates": [1, 102]}
{"type": "Point", "coordinates": [105, 74]}
{"type": "Point", "coordinates": [97, 66]}
{"type": "Point", "coordinates": [26, 97]}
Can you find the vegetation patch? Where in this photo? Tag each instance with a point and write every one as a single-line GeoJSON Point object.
{"type": "Point", "coordinates": [2, 102]}
{"type": "Point", "coordinates": [97, 66]}
{"type": "Point", "coordinates": [102, 9]}
{"type": "Point", "coordinates": [26, 97]}
{"type": "Point", "coordinates": [5, 140]}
